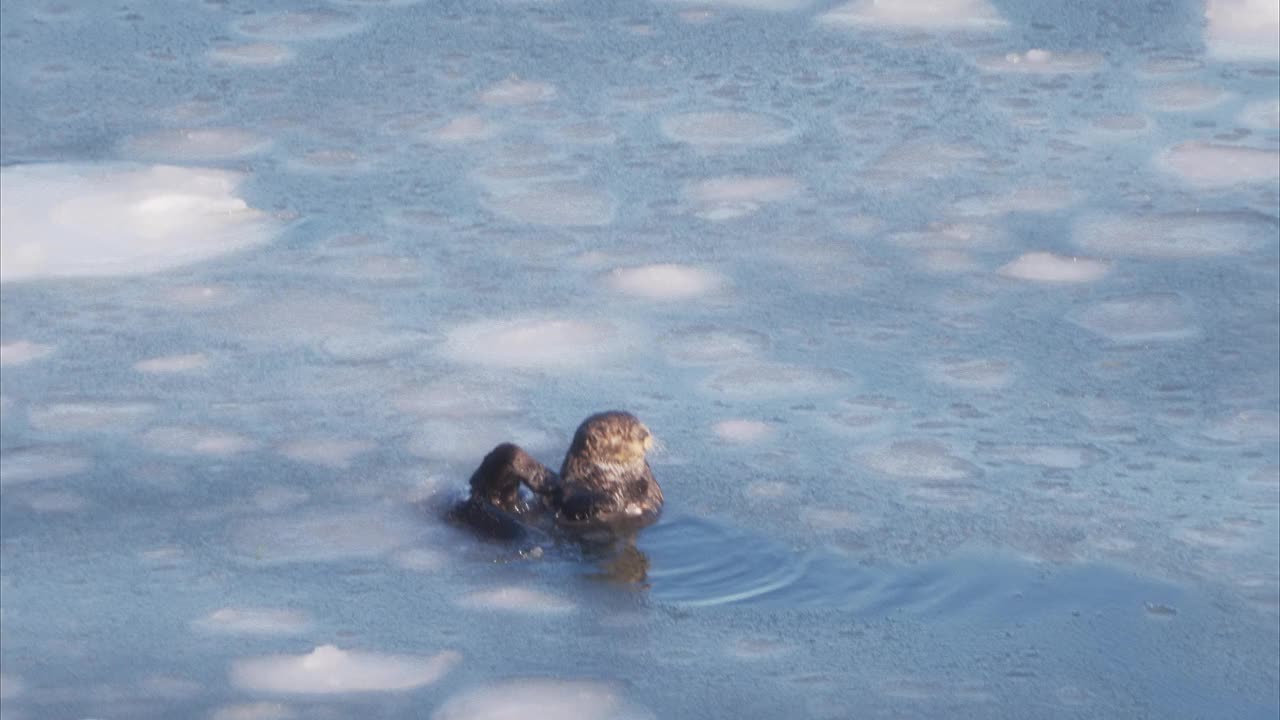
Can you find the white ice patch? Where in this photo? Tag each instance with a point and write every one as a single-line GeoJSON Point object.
{"type": "Point", "coordinates": [253, 621]}
{"type": "Point", "coordinates": [21, 352]}
{"type": "Point", "coordinates": [40, 463]}
{"type": "Point", "coordinates": [1047, 267]}
{"type": "Point", "coordinates": [734, 196]}
{"type": "Point", "coordinates": [88, 416]}
{"type": "Point", "coordinates": [465, 129]}
{"type": "Point", "coordinates": [1243, 29]}
{"type": "Point", "coordinates": [742, 431]}
{"type": "Point", "coordinates": [1185, 96]}
{"type": "Point", "coordinates": [1137, 318]}
{"type": "Point", "coordinates": [1263, 114]}
{"type": "Point", "coordinates": [775, 380]}
{"type": "Point", "coordinates": [556, 204]}
{"type": "Point", "coordinates": [329, 452]}
{"type": "Point", "coordinates": [664, 281]}
{"type": "Point", "coordinates": [324, 536]}
{"type": "Point", "coordinates": [516, 599]}
{"type": "Point", "coordinates": [252, 54]}
{"type": "Point", "coordinates": [925, 14]}
{"type": "Point", "coordinates": [1041, 61]}
{"type": "Point", "coordinates": [165, 364]}
{"type": "Point", "coordinates": [514, 91]}
{"type": "Point", "coordinates": [195, 441]}
{"type": "Point", "coordinates": [100, 220]}
{"type": "Point", "coordinates": [544, 699]}
{"type": "Point", "coordinates": [302, 25]}
{"type": "Point", "coordinates": [533, 343]}
{"type": "Point", "coordinates": [725, 129]}
{"type": "Point", "coordinates": [920, 460]}
{"type": "Point", "coordinates": [1213, 165]}
{"type": "Point", "coordinates": [195, 144]}
{"type": "Point", "coordinates": [467, 440]}
{"type": "Point", "coordinates": [255, 711]}
{"type": "Point", "coordinates": [1176, 235]}
{"type": "Point", "coordinates": [328, 669]}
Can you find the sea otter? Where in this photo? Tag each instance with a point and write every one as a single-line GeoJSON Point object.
{"type": "Point", "coordinates": [604, 483]}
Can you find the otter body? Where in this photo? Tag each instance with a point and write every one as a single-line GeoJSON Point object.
{"type": "Point", "coordinates": [604, 483]}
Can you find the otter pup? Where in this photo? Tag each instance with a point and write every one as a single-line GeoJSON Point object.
{"type": "Point", "coordinates": [494, 505]}
{"type": "Point", "coordinates": [604, 482]}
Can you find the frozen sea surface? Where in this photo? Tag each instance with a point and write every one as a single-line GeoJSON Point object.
{"type": "Point", "coordinates": [958, 322]}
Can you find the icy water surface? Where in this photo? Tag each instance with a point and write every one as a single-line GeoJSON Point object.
{"type": "Point", "coordinates": [957, 320]}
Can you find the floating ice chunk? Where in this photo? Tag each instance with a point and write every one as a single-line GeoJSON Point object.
{"type": "Point", "coordinates": [1182, 96]}
{"type": "Point", "coordinates": [1063, 457]}
{"type": "Point", "coordinates": [302, 25]}
{"type": "Point", "coordinates": [516, 599]}
{"type": "Point", "coordinates": [467, 440]}
{"type": "Point", "coordinates": [253, 621]}
{"type": "Point", "coordinates": [1041, 61]}
{"type": "Point", "coordinates": [1137, 318]}
{"type": "Point", "coordinates": [711, 345]}
{"type": "Point", "coordinates": [1047, 267]}
{"type": "Point", "coordinates": [324, 536]}
{"type": "Point", "coordinates": [81, 416]}
{"type": "Point", "coordinates": [980, 373]}
{"type": "Point", "coordinates": [192, 145]}
{"type": "Point", "coordinates": [329, 452]}
{"type": "Point", "coordinates": [545, 699]}
{"type": "Point", "coordinates": [255, 711]}
{"type": "Point", "coordinates": [1263, 114]}
{"type": "Point", "coordinates": [252, 54]}
{"type": "Point", "coordinates": [421, 559]}
{"type": "Point", "coordinates": [328, 669]}
{"type": "Point", "coordinates": [533, 343]}
{"type": "Point", "coordinates": [730, 197]}
{"type": "Point", "coordinates": [1211, 165]}
{"type": "Point", "coordinates": [465, 129]}
{"type": "Point", "coordinates": [559, 204]}
{"type": "Point", "coordinates": [195, 441]}
{"type": "Point", "coordinates": [932, 14]}
{"type": "Point", "coordinates": [514, 91]}
{"type": "Point", "coordinates": [920, 460]}
{"type": "Point", "coordinates": [742, 431]}
{"type": "Point", "coordinates": [52, 219]}
{"type": "Point", "coordinates": [172, 363]}
{"type": "Point", "coordinates": [1176, 235]}
{"type": "Point", "coordinates": [773, 380]}
{"type": "Point", "coordinates": [39, 463]}
{"type": "Point", "coordinates": [1243, 29]}
{"type": "Point", "coordinates": [723, 129]}
{"type": "Point", "coordinates": [21, 352]}
{"type": "Point", "coordinates": [664, 281]}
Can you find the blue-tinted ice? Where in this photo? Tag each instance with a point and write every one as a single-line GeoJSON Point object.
{"type": "Point", "coordinates": [957, 320]}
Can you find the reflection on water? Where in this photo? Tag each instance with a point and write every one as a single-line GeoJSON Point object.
{"type": "Point", "coordinates": [697, 563]}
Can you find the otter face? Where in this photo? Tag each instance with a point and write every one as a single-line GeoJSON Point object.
{"type": "Point", "coordinates": [612, 437]}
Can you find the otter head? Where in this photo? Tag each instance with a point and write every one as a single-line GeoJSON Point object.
{"type": "Point", "coordinates": [613, 437]}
